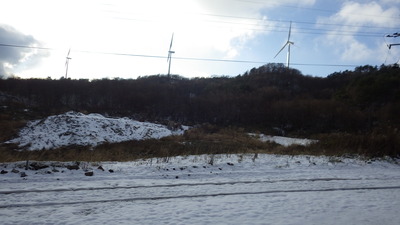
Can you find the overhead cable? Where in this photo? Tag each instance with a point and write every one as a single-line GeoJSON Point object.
{"type": "Point", "coordinates": [176, 58]}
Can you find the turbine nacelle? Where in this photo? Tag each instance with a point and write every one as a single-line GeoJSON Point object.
{"type": "Point", "coordinates": [170, 55]}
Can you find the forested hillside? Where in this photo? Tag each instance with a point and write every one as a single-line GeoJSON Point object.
{"type": "Point", "coordinates": [263, 98]}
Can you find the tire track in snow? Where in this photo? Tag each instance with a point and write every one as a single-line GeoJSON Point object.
{"type": "Point", "coordinates": [179, 185]}
{"type": "Point", "coordinates": [44, 204]}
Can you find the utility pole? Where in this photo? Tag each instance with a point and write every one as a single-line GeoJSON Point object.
{"type": "Point", "coordinates": [394, 35]}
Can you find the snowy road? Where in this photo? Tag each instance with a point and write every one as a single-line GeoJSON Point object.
{"type": "Point", "coordinates": [188, 190]}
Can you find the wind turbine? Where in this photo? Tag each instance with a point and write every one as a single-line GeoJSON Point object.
{"type": "Point", "coordinates": [170, 52]}
{"type": "Point", "coordinates": [66, 64]}
{"type": "Point", "coordinates": [288, 43]}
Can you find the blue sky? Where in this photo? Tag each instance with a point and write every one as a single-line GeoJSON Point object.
{"type": "Point", "coordinates": [127, 39]}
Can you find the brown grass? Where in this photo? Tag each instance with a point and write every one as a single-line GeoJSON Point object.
{"type": "Point", "coordinates": [215, 140]}
{"type": "Point", "coordinates": [9, 127]}
{"type": "Point", "coordinates": [377, 143]}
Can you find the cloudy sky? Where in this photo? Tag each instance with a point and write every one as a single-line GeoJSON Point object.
{"type": "Point", "coordinates": [127, 39]}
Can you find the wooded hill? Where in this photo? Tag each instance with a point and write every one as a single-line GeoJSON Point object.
{"type": "Point", "coordinates": [270, 97]}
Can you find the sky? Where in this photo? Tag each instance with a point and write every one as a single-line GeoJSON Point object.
{"type": "Point", "coordinates": [127, 39]}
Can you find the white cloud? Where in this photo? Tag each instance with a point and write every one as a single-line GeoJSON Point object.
{"type": "Point", "coordinates": [245, 18]}
{"type": "Point", "coordinates": [354, 17]}
{"type": "Point", "coordinates": [203, 29]}
{"type": "Point", "coordinates": [372, 13]}
{"type": "Point", "coordinates": [356, 51]}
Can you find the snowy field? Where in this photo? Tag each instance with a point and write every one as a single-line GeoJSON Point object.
{"type": "Point", "coordinates": [221, 189]}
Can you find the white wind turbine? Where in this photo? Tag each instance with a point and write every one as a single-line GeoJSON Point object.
{"type": "Point", "coordinates": [170, 52]}
{"type": "Point", "coordinates": [288, 43]}
{"type": "Point", "coordinates": [66, 64]}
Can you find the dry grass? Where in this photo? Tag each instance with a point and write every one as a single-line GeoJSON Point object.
{"type": "Point", "coordinates": [194, 142]}
{"type": "Point", "coordinates": [9, 127]}
{"type": "Point", "coordinates": [377, 143]}
{"type": "Point", "coordinates": [214, 140]}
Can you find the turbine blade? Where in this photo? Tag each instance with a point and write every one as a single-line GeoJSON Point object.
{"type": "Point", "coordinates": [172, 39]}
{"type": "Point", "coordinates": [68, 52]}
{"type": "Point", "coordinates": [281, 49]}
{"type": "Point", "coordinates": [290, 30]}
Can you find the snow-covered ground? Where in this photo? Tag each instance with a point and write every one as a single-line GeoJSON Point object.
{"type": "Point", "coordinates": [74, 128]}
{"type": "Point", "coordinates": [285, 141]}
{"type": "Point", "coordinates": [219, 189]}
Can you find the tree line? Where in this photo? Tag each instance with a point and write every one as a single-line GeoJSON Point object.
{"type": "Point", "coordinates": [269, 97]}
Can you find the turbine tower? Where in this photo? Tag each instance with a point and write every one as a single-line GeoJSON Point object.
{"type": "Point", "coordinates": [170, 52]}
{"type": "Point", "coordinates": [66, 64]}
{"type": "Point", "coordinates": [288, 43]}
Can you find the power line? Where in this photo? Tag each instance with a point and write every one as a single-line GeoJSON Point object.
{"type": "Point", "coordinates": [317, 31]}
{"type": "Point", "coordinates": [262, 20]}
{"type": "Point", "coordinates": [259, 21]}
{"type": "Point", "coordinates": [275, 28]}
{"type": "Point", "coordinates": [261, 26]}
{"type": "Point", "coordinates": [24, 46]}
{"type": "Point", "coordinates": [294, 21]}
{"type": "Point", "coordinates": [316, 9]}
{"type": "Point", "coordinates": [284, 28]}
{"type": "Point", "coordinates": [177, 58]}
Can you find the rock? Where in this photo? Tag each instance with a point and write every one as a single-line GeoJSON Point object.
{"type": "Point", "coordinates": [230, 164]}
{"type": "Point", "coordinates": [90, 173]}
{"type": "Point", "coordinates": [37, 166]}
{"type": "Point", "coordinates": [23, 174]}
{"type": "Point", "coordinates": [3, 172]}
{"type": "Point", "coordinates": [100, 168]}
{"type": "Point", "coordinates": [111, 171]}
{"type": "Point", "coordinates": [55, 170]}
{"type": "Point", "coordinates": [73, 167]}
{"type": "Point", "coordinates": [15, 171]}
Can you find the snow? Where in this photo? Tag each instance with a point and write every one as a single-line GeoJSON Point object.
{"type": "Point", "coordinates": [205, 189]}
{"type": "Point", "coordinates": [73, 128]}
{"type": "Point", "coordinates": [285, 141]}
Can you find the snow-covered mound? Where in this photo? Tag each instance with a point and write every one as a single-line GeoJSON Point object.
{"type": "Point", "coordinates": [74, 128]}
{"type": "Point", "coordinates": [285, 141]}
